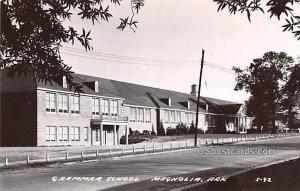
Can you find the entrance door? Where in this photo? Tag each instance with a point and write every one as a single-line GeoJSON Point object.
{"type": "Point", "coordinates": [97, 137]}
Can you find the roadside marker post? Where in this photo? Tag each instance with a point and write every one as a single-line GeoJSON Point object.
{"type": "Point", "coordinates": [81, 154]}
{"type": "Point", "coordinates": [27, 159]}
{"type": "Point", "coordinates": [171, 145]}
{"type": "Point", "coordinates": [47, 157]}
{"type": "Point", "coordinates": [153, 147]}
{"type": "Point", "coordinates": [133, 149]}
{"type": "Point", "coordinates": [97, 152]}
{"type": "Point", "coordinates": [110, 151]}
{"type": "Point", "coordinates": [6, 162]}
{"type": "Point", "coordinates": [144, 147]}
{"type": "Point", "coordinates": [67, 155]}
{"type": "Point", "coordinates": [186, 144]}
{"type": "Point", "coordinates": [122, 150]}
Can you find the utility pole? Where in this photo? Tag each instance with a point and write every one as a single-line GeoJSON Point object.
{"type": "Point", "coordinates": [198, 98]}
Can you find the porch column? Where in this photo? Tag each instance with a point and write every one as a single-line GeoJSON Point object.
{"type": "Point", "coordinates": [101, 134]}
{"type": "Point", "coordinates": [115, 135]}
{"type": "Point", "coordinates": [236, 124]}
{"type": "Point", "coordinates": [126, 135]}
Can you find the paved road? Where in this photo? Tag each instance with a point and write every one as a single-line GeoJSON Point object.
{"type": "Point", "coordinates": [187, 163]}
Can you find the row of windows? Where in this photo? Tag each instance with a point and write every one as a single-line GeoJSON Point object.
{"type": "Point", "coordinates": [140, 115]}
{"type": "Point", "coordinates": [65, 102]}
{"type": "Point", "coordinates": [106, 107]}
{"type": "Point", "coordinates": [169, 116]}
{"type": "Point", "coordinates": [65, 134]}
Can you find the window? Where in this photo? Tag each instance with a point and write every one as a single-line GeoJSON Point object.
{"type": "Point", "coordinates": [50, 133]}
{"type": "Point", "coordinates": [114, 108]}
{"type": "Point", "coordinates": [187, 120]}
{"type": "Point", "coordinates": [104, 106]}
{"type": "Point", "coordinates": [63, 133]}
{"type": "Point", "coordinates": [147, 115]}
{"type": "Point", "coordinates": [74, 101]}
{"type": "Point", "coordinates": [63, 106]}
{"type": "Point", "coordinates": [74, 134]}
{"type": "Point", "coordinates": [178, 116]}
{"type": "Point", "coordinates": [95, 110]}
{"type": "Point", "coordinates": [172, 116]}
{"type": "Point", "coordinates": [50, 102]}
{"type": "Point", "coordinates": [86, 134]}
{"type": "Point", "coordinates": [140, 116]}
{"type": "Point", "coordinates": [132, 114]}
{"type": "Point", "coordinates": [167, 116]}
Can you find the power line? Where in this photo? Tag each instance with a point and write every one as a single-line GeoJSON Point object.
{"type": "Point", "coordinates": [126, 62]}
{"type": "Point", "coordinates": [139, 61]}
{"type": "Point", "coordinates": [126, 57]}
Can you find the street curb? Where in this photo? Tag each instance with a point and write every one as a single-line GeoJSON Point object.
{"type": "Point", "coordinates": [236, 173]}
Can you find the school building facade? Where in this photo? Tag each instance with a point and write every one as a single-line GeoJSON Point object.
{"type": "Point", "coordinates": [38, 114]}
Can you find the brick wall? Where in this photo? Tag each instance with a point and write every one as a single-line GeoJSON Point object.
{"type": "Point", "coordinates": [63, 119]}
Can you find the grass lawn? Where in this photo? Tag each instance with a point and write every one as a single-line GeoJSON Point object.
{"type": "Point", "coordinates": [283, 177]}
{"type": "Point", "coordinates": [20, 153]}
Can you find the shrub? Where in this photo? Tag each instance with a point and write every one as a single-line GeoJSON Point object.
{"type": "Point", "coordinates": [130, 131]}
{"type": "Point", "coordinates": [181, 129]}
{"type": "Point", "coordinates": [146, 132]}
{"type": "Point", "coordinates": [153, 132]}
{"type": "Point", "coordinates": [161, 129]}
{"type": "Point", "coordinates": [192, 129]}
{"type": "Point", "coordinates": [135, 133]}
{"type": "Point", "coordinates": [171, 131]}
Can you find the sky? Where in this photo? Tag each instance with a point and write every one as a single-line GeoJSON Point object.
{"type": "Point", "coordinates": [166, 48]}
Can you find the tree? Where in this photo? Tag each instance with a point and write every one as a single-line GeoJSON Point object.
{"type": "Point", "coordinates": [32, 33]}
{"type": "Point", "coordinates": [275, 8]}
{"type": "Point", "coordinates": [264, 80]}
{"type": "Point", "coordinates": [291, 98]}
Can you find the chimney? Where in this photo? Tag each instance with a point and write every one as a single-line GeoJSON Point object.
{"type": "Point", "coordinates": [96, 86]}
{"type": "Point", "coordinates": [194, 91]}
{"type": "Point", "coordinates": [64, 82]}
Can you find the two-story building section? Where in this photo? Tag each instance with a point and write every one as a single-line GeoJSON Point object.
{"type": "Point", "coordinates": [38, 114]}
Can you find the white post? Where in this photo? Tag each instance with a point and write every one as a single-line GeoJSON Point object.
{"type": "Point", "coordinates": [47, 157]}
{"type": "Point", "coordinates": [186, 144]}
{"type": "Point", "coordinates": [144, 147]}
{"type": "Point", "coordinates": [171, 145]}
{"type": "Point", "coordinates": [122, 150]}
{"type": "Point", "coordinates": [67, 155]}
{"type": "Point", "coordinates": [97, 152]}
{"type": "Point", "coordinates": [153, 147]}
{"type": "Point", "coordinates": [27, 159]}
{"type": "Point", "coordinates": [162, 146]}
{"type": "Point", "coordinates": [126, 135]}
{"type": "Point", "coordinates": [110, 151]}
{"type": "Point", "coordinates": [6, 162]}
{"type": "Point", "coordinates": [81, 154]}
{"type": "Point", "coordinates": [115, 135]}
